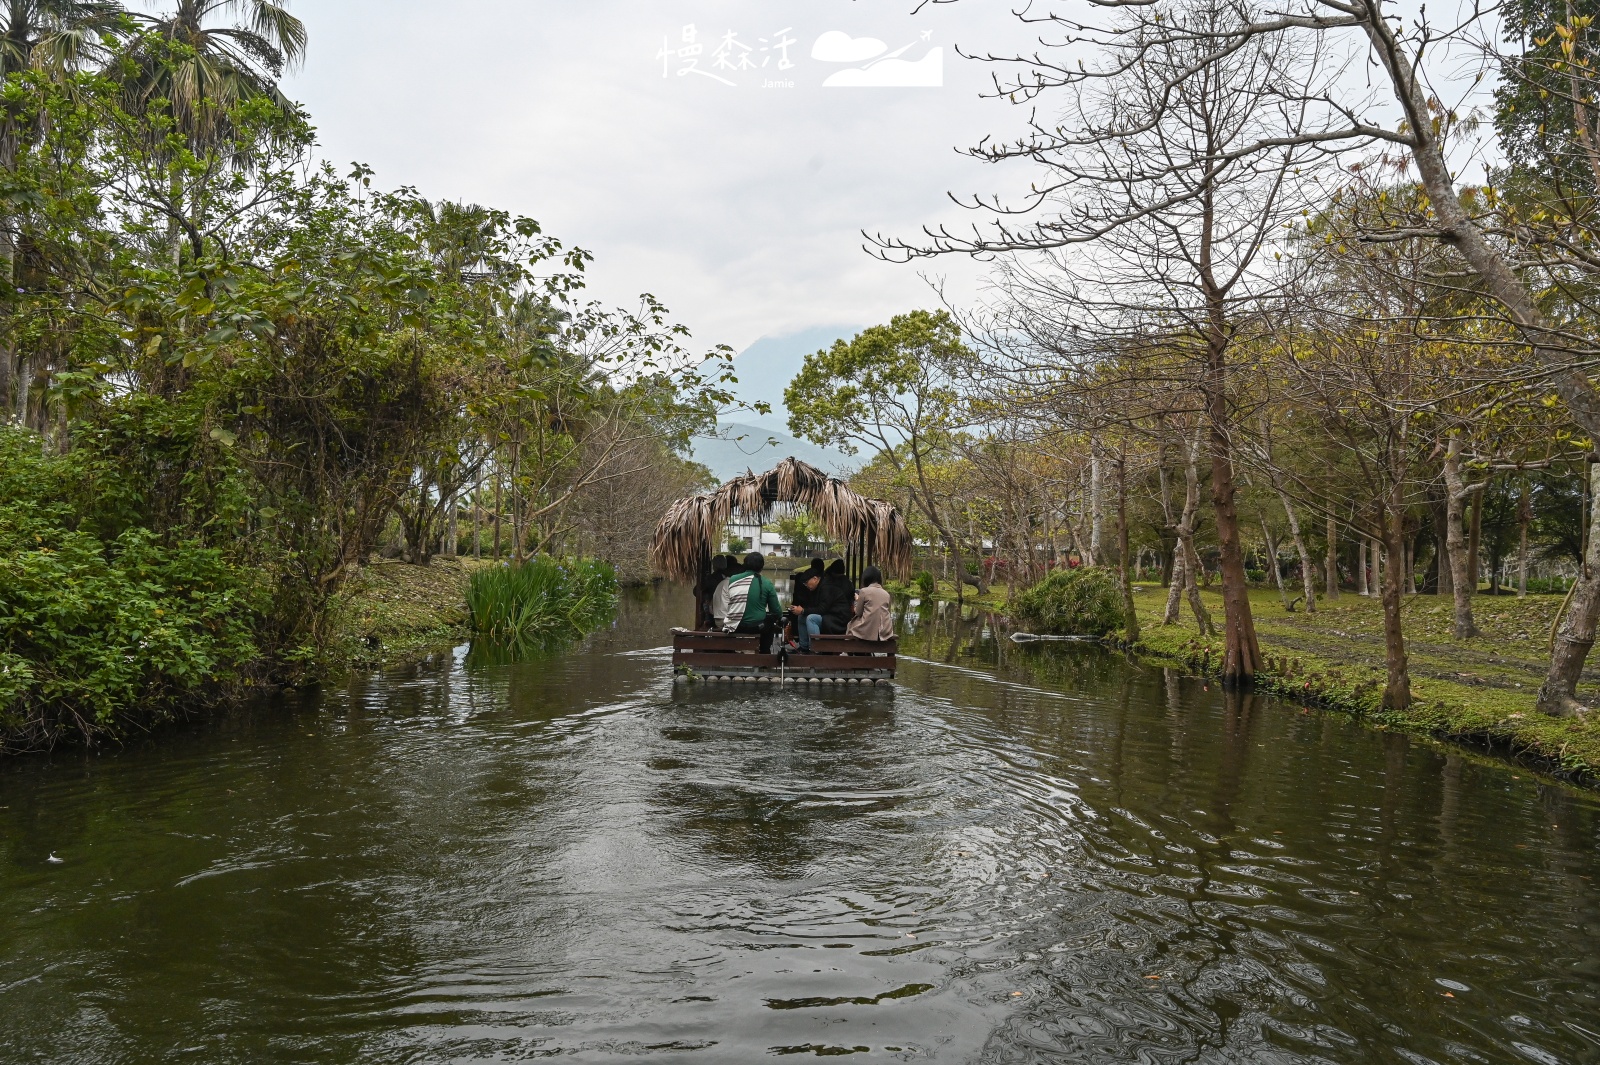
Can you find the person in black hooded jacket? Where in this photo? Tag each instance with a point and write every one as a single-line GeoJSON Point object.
{"type": "Point", "coordinates": [835, 599]}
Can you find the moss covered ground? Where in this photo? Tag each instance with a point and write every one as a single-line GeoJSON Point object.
{"type": "Point", "coordinates": [394, 612]}
{"type": "Point", "coordinates": [1478, 691]}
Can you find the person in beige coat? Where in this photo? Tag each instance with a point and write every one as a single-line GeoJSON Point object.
{"type": "Point", "coordinates": [872, 618]}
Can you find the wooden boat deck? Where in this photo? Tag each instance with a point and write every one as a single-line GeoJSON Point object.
{"type": "Point", "coordinates": [699, 654]}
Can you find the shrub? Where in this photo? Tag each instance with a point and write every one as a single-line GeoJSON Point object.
{"type": "Point", "coordinates": [541, 601]}
{"type": "Point", "coordinates": [925, 583]}
{"type": "Point", "coordinates": [97, 634]}
{"type": "Point", "coordinates": [1073, 602]}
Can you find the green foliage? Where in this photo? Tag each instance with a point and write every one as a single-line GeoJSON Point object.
{"type": "Point", "coordinates": [257, 366]}
{"type": "Point", "coordinates": [542, 601]}
{"type": "Point", "coordinates": [925, 584]}
{"type": "Point", "coordinates": [98, 634]}
{"type": "Point", "coordinates": [738, 545]}
{"type": "Point", "coordinates": [1073, 602]}
{"type": "Point", "coordinates": [803, 531]}
{"type": "Point", "coordinates": [888, 385]}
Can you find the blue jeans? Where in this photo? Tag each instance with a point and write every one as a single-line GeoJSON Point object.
{"type": "Point", "coordinates": [812, 627]}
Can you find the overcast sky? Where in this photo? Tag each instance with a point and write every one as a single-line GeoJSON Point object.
{"type": "Point", "coordinates": [738, 205]}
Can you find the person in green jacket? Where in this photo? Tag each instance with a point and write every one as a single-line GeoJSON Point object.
{"type": "Point", "coordinates": [752, 602]}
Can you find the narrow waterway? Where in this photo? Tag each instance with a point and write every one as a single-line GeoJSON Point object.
{"type": "Point", "coordinates": [1014, 855]}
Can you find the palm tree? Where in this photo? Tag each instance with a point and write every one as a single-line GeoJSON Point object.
{"type": "Point", "coordinates": [55, 35]}
{"type": "Point", "coordinates": [194, 71]}
{"type": "Point", "coordinates": [202, 70]}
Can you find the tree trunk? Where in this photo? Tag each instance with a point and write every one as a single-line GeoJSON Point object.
{"type": "Point", "coordinates": [1241, 655]}
{"type": "Point", "coordinates": [1191, 587]}
{"type": "Point", "coordinates": [1397, 686]}
{"type": "Point", "coordinates": [1461, 580]}
{"type": "Point", "coordinates": [1364, 579]}
{"type": "Point", "coordinates": [518, 533]}
{"type": "Point", "coordinates": [1308, 575]}
{"type": "Point", "coordinates": [1475, 540]}
{"type": "Point", "coordinates": [1130, 613]}
{"type": "Point", "coordinates": [1081, 528]}
{"type": "Point", "coordinates": [1441, 544]}
{"type": "Point", "coordinates": [497, 502]}
{"type": "Point", "coordinates": [1191, 558]}
{"type": "Point", "coordinates": [1332, 560]}
{"type": "Point", "coordinates": [1175, 587]}
{"type": "Point", "coordinates": [1524, 517]}
{"type": "Point", "coordinates": [1558, 696]}
{"type": "Point", "coordinates": [1375, 575]}
{"type": "Point", "coordinates": [1272, 562]}
{"type": "Point", "coordinates": [1097, 480]}
{"type": "Point", "coordinates": [452, 529]}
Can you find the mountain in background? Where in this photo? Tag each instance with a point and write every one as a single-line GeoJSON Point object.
{"type": "Point", "coordinates": [766, 367]}
{"type": "Point", "coordinates": [758, 448]}
{"type": "Point", "coordinates": [764, 370]}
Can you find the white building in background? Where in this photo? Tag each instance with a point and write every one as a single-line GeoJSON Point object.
{"type": "Point", "coordinates": [767, 541]}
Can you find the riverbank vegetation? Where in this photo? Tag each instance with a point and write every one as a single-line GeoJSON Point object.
{"type": "Point", "coordinates": [232, 376]}
{"type": "Point", "coordinates": [540, 602]}
{"type": "Point", "coordinates": [1242, 344]}
{"type": "Point", "coordinates": [1071, 602]}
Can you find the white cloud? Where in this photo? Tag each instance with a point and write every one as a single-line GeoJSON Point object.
{"type": "Point", "coordinates": [838, 47]}
{"type": "Point", "coordinates": [924, 73]}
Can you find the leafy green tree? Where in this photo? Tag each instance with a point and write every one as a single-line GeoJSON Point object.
{"type": "Point", "coordinates": [895, 390]}
{"type": "Point", "coordinates": [198, 71]}
{"type": "Point", "coordinates": [55, 37]}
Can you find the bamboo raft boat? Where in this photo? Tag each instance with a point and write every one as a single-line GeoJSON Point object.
{"type": "Point", "coordinates": [871, 530]}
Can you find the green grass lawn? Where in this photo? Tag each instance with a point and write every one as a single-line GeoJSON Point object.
{"type": "Point", "coordinates": [1481, 690]}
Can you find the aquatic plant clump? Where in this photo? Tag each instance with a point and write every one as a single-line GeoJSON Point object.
{"type": "Point", "coordinates": [541, 601]}
{"type": "Point", "coordinates": [1072, 602]}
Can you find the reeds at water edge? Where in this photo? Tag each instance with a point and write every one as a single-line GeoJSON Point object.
{"type": "Point", "coordinates": [542, 601]}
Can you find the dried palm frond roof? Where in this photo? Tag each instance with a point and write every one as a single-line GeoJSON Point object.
{"type": "Point", "coordinates": [692, 527]}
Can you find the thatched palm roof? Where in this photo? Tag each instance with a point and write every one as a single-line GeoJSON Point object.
{"type": "Point", "coordinates": [692, 528]}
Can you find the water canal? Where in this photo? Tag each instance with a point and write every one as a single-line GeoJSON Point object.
{"type": "Point", "coordinates": [1015, 855]}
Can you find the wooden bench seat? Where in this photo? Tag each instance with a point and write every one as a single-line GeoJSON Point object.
{"type": "Point", "coordinates": [702, 650]}
{"type": "Point", "coordinates": [732, 654]}
{"type": "Point", "coordinates": [849, 645]}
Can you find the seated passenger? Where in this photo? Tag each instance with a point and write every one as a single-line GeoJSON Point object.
{"type": "Point", "coordinates": [805, 590]}
{"type": "Point", "coordinates": [804, 620]}
{"type": "Point", "coordinates": [752, 603]}
{"type": "Point", "coordinates": [708, 593]}
{"type": "Point", "coordinates": [830, 605]}
{"type": "Point", "coordinates": [872, 618]}
{"type": "Point", "coordinates": [837, 598]}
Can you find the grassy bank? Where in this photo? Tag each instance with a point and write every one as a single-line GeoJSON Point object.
{"type": "Point", "coordinates": [394, 612]}
{"type": "Point", "coordinates": [1479, 691]}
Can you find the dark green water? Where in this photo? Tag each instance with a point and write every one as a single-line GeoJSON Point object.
{"type": "Point", "coordinates": [1018, 856]}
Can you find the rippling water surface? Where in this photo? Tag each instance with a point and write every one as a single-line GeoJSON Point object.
{"type": "Point", "coordinates": [1013, 856]}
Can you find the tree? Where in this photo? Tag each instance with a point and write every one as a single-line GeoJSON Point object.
{"type": "Point", "coordinates": [1153, 179]}
{"type": "Point", "coordinates": [197, 71]}
{"type": "Point", "coordinates": [1316, 113]}
{"type": "Point", "coordinates": [57, 36]}
{"type": "Point", "coordinates": [893, 388]}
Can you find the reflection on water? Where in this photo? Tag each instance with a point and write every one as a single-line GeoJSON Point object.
{"type": "Point", "coordinates": [1038, 853]}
